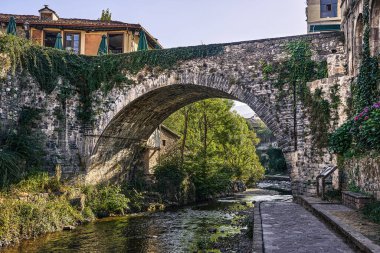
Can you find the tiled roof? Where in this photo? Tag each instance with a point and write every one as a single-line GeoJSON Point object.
{"type": "Point", "coordinates": [35, 20]}
{"type": "Point", "coordinates": [75, 23]}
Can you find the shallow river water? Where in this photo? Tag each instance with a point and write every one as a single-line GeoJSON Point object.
{"type": "Point", "coordinates": [180, 230]}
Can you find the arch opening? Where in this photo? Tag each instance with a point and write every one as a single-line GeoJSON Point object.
{"type": "Point", "coordinates": [132, 126]}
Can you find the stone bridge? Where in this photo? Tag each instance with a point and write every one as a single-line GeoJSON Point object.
{"type": "Point", "coordinates": [128, 114]}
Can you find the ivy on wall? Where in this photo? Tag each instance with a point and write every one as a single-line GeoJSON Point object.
{"type": "Point", "coordinates": [334, 104]}
{"type": "Point", "coordinates": [365, 90]}
{"type": "Point", "coordinates": [296, 72]}
{"type": "Point", "coordinates": [88, 74]}
{"type": "Point", "coordinates": [21, 147]}
{"type": "Point", "coordinates": [360, 134]}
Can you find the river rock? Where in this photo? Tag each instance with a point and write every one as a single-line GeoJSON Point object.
{"type": "Point", "coordinates": [67, 228]}
{"type": "Point", "coordinates": [212, 230]}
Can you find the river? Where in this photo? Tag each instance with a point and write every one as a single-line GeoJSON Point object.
{"type": "Point", "coordinates": [186, 229]}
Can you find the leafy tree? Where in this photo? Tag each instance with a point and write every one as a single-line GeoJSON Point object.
{"type": "Point", "coordinates": [262, 131]}
{"type": "Point", "coordinates": [216, 145]}
{"type": "Point", "coordinates": [106, 15]}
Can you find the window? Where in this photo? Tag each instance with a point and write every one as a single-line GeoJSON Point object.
{"type": "Point", "coordinates": [164, 143]}
{"type": "Point", "coordinates": [50, 38]}
{"type": "Point", "coordinates": [329, 8]}
{"type": "Point", "coordinates": [72, 42]}
{"type": "Point", "coordinates": [115, 43]}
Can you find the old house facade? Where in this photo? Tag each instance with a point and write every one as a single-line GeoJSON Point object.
{"type": "Point", "coordinates": [80, 36]}
{"type": "Point", "coordinates": [323, 15]}
{"type": "Point", "coordinates": [161, 142]}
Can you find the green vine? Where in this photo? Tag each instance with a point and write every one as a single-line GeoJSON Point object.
{"type": "Point", "coordinates": [266, 69]}
{"type": "Point", "coordinates": [360, 134]}
{"type": "Point", "coordinates": [296, 72]}
{"type": "Point", "coordinates": [320, 113]}
{"type": "Point", "coordinates": [335, 102]}
{"type": "Point", "coordinates": [88, 74]}
{"type": "Point", "coordinates": [365, 90]}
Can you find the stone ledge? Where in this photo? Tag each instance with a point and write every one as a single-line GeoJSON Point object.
{"type": "Point", "coordinates": [355, 200]}
{"type": "Point", "coordinates": [258, 243]}
{"type": "Point", "coordinates": [354, 238]}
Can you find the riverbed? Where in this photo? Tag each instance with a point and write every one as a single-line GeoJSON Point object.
{"type": "Point", "coordinates": [186, 229]}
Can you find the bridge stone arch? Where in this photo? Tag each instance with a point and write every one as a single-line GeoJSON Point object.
{"type": "Point", "coordinates": [237, 73]}
{"type": "Point", "coordinates": [128, 128]}
{"type": "Point", "coordinates": [128, 114]}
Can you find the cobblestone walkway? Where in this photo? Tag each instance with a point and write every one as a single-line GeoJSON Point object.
{"type": "Point", "coordinates": [288, 227]}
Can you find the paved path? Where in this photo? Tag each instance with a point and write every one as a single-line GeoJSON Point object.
{"type": "Point", "coordinates": [288, 227]}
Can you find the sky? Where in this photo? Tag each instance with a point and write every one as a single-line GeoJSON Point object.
{"type": "Point", "coordinates": [186, 22]}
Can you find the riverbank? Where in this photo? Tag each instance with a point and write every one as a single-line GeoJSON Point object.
{"type": "Point", "coordinates": [42, 204]}
{"type": "Point", "coordinates": [215, 226]}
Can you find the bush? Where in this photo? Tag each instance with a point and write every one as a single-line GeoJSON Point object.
{"type": "Point", "coordinates": [137, 200]}
{"type": "Point", "coordinates": [23, 219]}
{"type": "Point", "coordinates": [107, 200]}
{"type": "Point", "coordinates": [358, 135]}
{"type": "Point", "coordinates": [341, 140]}
{"type": "Point", "coordinates": [209, 186]}
{"type": "Point", "coordinates": [88, 214]}
{"type": "Point", "coordinates": [169, 176]}
{"type": "Point", "coordinates": [37, 182]}
{"type": "Point", "coordinates": [172, 181]}
{"type": "Point", "coordinates": [372, 211]}
{"type": "Point", "coordinates": [190, 182]}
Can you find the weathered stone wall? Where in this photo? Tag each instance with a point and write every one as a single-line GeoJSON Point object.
{"type": "Point", "coordinates": [62, 137]}
{"type": "Point", "coordinates": [127, 116]}
{"type": "Point", "coordinates": [363, 172]}
{"type": "Point", "coordinates": [353, 27]}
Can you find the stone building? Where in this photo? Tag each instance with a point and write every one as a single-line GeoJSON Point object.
{"type": "Point", "coordinates": [363, 171]}
{"type": "Point", "coordinates": [352, 24]}
{"type": "Point", "coordinates": [81, 36]}
{"type": "Point", "coordinates": [161, 142]}
{"type": "Point", "coordinates": [323, 15]}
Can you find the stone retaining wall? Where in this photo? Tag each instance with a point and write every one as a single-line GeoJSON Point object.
{"type": "Point", "coordinates": [363, 172]}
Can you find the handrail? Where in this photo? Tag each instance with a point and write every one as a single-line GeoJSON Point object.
{"type": "Point", "coordinates": [324, 174]}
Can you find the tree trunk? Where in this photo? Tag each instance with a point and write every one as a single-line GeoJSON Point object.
{"type": "Point", "coordinates": [205, 134]}
{"type": "Point", "coordinates": [185, 128]}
